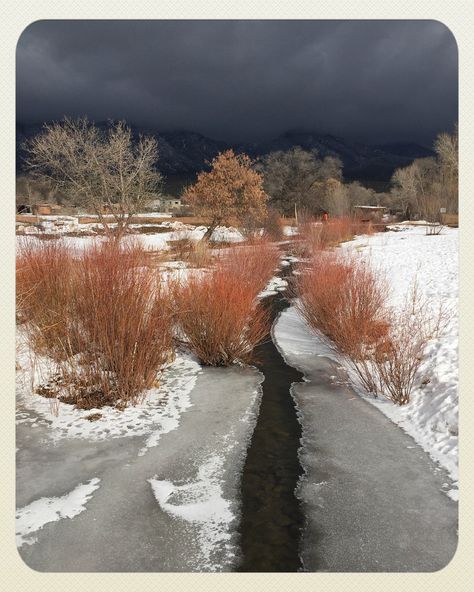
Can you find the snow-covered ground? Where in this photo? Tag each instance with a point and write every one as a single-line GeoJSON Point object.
{"type": "Point", "coordinates": [70, 228]}
{"type": "Point", "coordinates": [157, 414]}
{"type": "Point", "coordinates": [431, 417]}
{"type": "Point", "coordinates": [185, 444]}
{"type": "Point", "coordinates": [169, 495]}
{"type": "Point", "coordinates": [151, 242]}
{"type": "Point", "coordinates": [140, 215]}
{"type": "Point", "coordinates": [275, 284]}
{"type": "Point", "coordinates": [290, 230]}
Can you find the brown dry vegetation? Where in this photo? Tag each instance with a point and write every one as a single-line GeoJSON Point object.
{"type": "Point", "coordinates": [125, 319]}
{"type": "Point", "coordinates": [219, 318]}
{"type": "Point", "coordinates": [273, 225]}
{"type": "Point", "coordinates": [195, 252]}
{"type": "Point", "coordinates": [315, 235]}
{"type": "Point", "coordinates": [232, 189]}
{"type": "Point", "coordinates": [253, 264]}
{"type": "Point", "coordinates": [44, 289]}
{"type": "Point", "coordinates": [107, 322]}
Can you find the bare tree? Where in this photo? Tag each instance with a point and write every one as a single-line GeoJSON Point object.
{"type": "Point", "coordinates": [337, 198]}
{"type": "Point", "coordinates": [404, 189]}
{"type": "Point", "coordinates": [361, 196]}
{"type": "Point", "coordinates": [31, 191]}
{"type": "Point", "coordinates": [296, 177]}
{"type": "Point", "coordinates": [446, 147]}
{"type": "Point", "coordinates": [429, 184]}
{"type": "Point", "coordinates": [107, 170]}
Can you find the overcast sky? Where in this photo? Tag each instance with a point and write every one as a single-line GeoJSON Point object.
{"type": "Point", "coordinates": [244, 81]}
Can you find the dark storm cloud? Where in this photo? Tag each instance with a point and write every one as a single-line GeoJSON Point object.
{"type": "Point", "coordinates": [244, 80]}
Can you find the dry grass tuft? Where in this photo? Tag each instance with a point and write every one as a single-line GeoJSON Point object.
{"type": "Point", "coordinates": [195, 252]}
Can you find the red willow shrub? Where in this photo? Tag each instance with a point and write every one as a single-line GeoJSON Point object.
{"type": "Point", "coordinates": [337, 230]}
{"type": "Point", "coordinates": [253, 265]}
{"type": "Point", "coordinates": [347, 301]}
{"type": "Point", "coordinates": [219, 317]}
{"type": "Point", "coordinates": [316, 236]}
{"type": "Point", "coordinates": [124, 318]}
{"type": "Point", "coordinates": [343, 298]}
{"type": "Point", "coordinates": [101, 315]}
{"type": "Point", "coordinates": [107, 321]}
{"type": "Point", "coordinates": [309, 238]}
{"type": "Point", "coordinates": [45, 282]}
{"type": "Point", "coordinates": [397, 358]}
{"type": "Point", "coordinates": [218, 313]}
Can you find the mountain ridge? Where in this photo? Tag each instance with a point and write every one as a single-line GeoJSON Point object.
{"type": "Point", "coordinates": [185, 152]}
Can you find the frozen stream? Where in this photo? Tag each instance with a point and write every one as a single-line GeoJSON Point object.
{"type": "Point", "coordinates": [373, 499]}
{"type": "Point", "coordinates": [167, 500]}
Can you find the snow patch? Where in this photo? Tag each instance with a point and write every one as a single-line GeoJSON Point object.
{"type": "Point", "coordinates": [197, 501]}
{"type": "Point", "coordinates": [152, 241]}
{"type": "Point", "coordinates": [290, 230]}
{"type": "Point", "coordinates": [275, 284]}
{"type": "Point", "coordinates": [220, 234]}
{"type": "Point", "coordinates": [157, 414]}
{"type": "Point", "coordinates": [200, 501]}
{"type": "Point", "coordinates": [34, 516]}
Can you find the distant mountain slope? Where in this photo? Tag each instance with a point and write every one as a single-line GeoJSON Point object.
{"type": "Point", "coordinates": [185, 152]}
{"type": "Point", "coordinates": [361, 161]}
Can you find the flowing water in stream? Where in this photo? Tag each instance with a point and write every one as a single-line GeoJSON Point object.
{"type": "Point", "coordinates": [272, 519]}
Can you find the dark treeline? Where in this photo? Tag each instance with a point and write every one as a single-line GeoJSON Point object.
{"type": "Point", "coordinates": [304, 180]}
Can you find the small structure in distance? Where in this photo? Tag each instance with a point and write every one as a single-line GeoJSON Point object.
{"type": "Point", "coordinates": [369, 213]}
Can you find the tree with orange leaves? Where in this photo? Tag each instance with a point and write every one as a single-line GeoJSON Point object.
{"type": "Point", "coordinates": [230, 191]}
